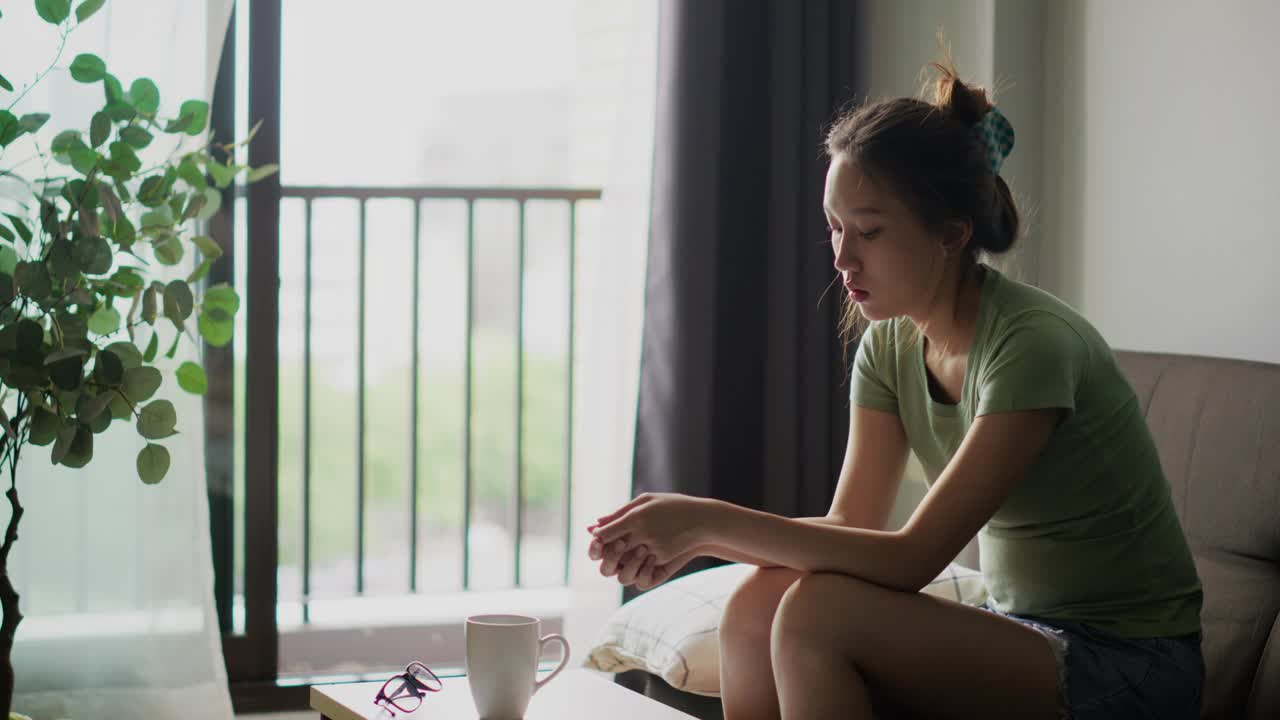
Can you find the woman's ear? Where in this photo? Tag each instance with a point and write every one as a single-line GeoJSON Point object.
{"type": "Point", "coordinates": [956, 235]}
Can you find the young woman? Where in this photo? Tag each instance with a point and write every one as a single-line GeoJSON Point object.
{"type": "Point", "coordinates": [1031, 439]}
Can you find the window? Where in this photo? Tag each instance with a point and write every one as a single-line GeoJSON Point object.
{"type": "Point", "coordinates": [441, 166]}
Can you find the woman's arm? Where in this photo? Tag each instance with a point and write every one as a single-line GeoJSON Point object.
{"type": "Point", "coordinates": [994, 456]}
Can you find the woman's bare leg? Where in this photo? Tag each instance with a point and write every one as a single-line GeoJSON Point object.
{"type": "Point", "coordinates": [747, 688]}
{"type": "Point", "coordinates": [838, 640]}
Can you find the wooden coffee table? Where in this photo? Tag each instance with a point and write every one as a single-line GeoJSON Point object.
{"type": "Point", "coordinates": [575, 693]}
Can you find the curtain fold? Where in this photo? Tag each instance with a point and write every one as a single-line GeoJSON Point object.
{"type": "Point", "coordinates": [743, 388]}
{"type": "Point", "coordinates": [116, 577]}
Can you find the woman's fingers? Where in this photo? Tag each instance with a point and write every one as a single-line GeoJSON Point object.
{"type": "Point", "coordinates": [631, 563]}
{"type": "Point", "coordinates": [613, 553]}
{"type": "Point", "coordinates": [644, 575]}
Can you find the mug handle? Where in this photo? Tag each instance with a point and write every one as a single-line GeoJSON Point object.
{"type": "Point", "coordinates": [564, 658]}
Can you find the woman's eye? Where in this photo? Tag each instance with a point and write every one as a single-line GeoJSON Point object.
{"type": "Point", "coordinates": [869, 234]}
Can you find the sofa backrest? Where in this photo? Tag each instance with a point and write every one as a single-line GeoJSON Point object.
{"type": "Point", "coordinates": [1216, 423]}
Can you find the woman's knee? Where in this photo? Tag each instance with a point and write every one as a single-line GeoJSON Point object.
{"type": "Point", "coordinates": [750, 609]}
{"type": "Point", "coordinates": [806, 608]}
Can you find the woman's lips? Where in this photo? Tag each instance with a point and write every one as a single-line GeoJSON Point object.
{"type": "Point", "coordinates": [858, 294]}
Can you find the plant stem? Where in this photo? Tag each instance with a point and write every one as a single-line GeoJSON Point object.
{"type": "Point", "coordinates": [9, 594]}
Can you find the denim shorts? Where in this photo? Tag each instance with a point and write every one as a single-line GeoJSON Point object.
{"type": "Point", "coordinates": [1107, 677]}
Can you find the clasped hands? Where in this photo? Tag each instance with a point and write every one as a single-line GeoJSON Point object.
{"type": "Point", "coordinates": [647, 540]}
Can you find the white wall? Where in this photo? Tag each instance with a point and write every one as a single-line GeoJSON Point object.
{"type": "Point", "coordinates": [1161, 172]}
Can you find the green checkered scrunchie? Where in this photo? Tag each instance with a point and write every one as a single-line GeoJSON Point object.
{"type": "Point", "coordinates": [996, 135]}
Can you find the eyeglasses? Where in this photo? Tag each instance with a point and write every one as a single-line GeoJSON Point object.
{"type": "Point", "coordinates": [406, 691]}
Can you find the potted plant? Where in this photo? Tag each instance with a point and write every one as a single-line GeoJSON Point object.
{"type": "Point", "coordinates": [98, 279]}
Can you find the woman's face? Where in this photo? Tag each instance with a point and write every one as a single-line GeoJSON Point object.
{"type": "Point", "coordinates": [889, 262]}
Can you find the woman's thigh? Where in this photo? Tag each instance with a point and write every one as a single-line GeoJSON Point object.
{"type": "Point", "coordinates": [934, 657]}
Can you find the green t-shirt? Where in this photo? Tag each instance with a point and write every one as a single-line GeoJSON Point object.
{"type": "Point", "coordinates": [1090, 535]}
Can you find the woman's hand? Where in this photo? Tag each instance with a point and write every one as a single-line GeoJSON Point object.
{"type": "Point", "coordinates": [636, 566]}
{"type": "Point", "coordinates": [667, 525]}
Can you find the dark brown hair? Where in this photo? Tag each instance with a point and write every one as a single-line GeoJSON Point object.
{"type": "Point", "coordinates": [928, 153]}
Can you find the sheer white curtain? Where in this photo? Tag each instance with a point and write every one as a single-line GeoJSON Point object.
{"type": "Point", "coordinates": [116, 577]}
{"type": "Point", "coordinates": [611, 311]}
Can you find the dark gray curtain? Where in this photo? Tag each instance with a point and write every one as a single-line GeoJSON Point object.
{"type": "Point", "coordinates": [743, 390]}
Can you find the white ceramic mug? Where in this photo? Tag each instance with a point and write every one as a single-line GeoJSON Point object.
{"type": "Point", "coordinates": [502, 662]}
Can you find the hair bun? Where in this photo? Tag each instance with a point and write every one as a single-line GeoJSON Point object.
{"type": "Point", "coordinates": [952, 96]}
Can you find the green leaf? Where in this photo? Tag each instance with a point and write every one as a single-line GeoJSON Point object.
{"type": "Point", "coordinates": [32, 122]}
{"type": "Point", "coordinates": [208, 246]}
{"type": "Point", "coordinates": [114, 92]}
{"type": "Point", "coordinates": [178, 302]}
{"type": "Point", "coordinates": [88, 8]}
{"type": "Point", "coordinates": [215, 332]}
{"type": "Point", "coordinates": [200, 272]}
{"type": "Point", "coordinates": [104, 321]}
{"type": "Point", "coordinates": [258, 173]}
{"type": "Point", "coordinates": [119, 407]}
{"type": "Point", "coordinates": [93, 255]}
{"type": "Point", "coordinates": [110, 203]}
{"type": "Point", "coordinates": [99, 129]}
{"type": "Point", "coordinates": [152, 193]}
{"type": "Point", "coordinates": [108, 369]}
{"type": "Point", "coordinates": [169, 251]}
{"type": "Point", "coordinates": [62, 446]}
{"type": "Point", "coordinates": [124, 234]}
{"type": "Point", "coordinates": [4, 83]}
{"type": "Point", "coordinates": [198, 110]}
{"type": "Point", "coordinates": [157, 420]}
{"type": "Point", "coordinates": [153, 463]}
{"type": "Point", "coordinates": [136, 136]}
{"type": "Point", "coordinates": [66, 141]}
{"type": "Point", "coordinates": [53, 11]}
{"type": "Point", "coordinates": [125, 282]}
{"type": "Point", "coordinates": [191, 173]}
{"type": "Point", "coordinates": [149, 308]}
{"type": "Point", "coordinates": [8, 260]}
{"type": "Point", "coordinates": [59, 355]}
{"type": "Point", "coordinates": [144, 96]}
{"type": "Point", "coordinates": [122, 153]}
{"type": "Point", "coordinates": [84, 160]}
{"type": "Point", "coordinates": [81, 451]}
{"type": "Point", "coordinates": [160, 217]}
{"type": "Point", "coordinates": [44, 427]}
{"type": "Point", "coordinates": [152, 348]}
{"type": "Point", "coordinates": [32, 278]}
{"type": "Point", "coordinates": [192, 378]}
{"type": "Point", "coordinates": [91, 406]}
{"type": "Point", "coordinates": [212, 203]}
{"type": "Point", "coordinates": [222, 296]}
{"type": "Point", "coordinates": [7, 234]}
{"type": "Point", "coordinates": [81, 194]}
{"type": "Point", "coordinates": [141, 383]}
{"type": "Point", "coordinates": [88, 68]}
{"type": "Point", "coordinates": [10, 129]}
{"type": "Point", "coordinates": [129, 355]}
{"type": "Point", "coordinates": [173, 349]}
{"type": "Point", "coordinates": [222, 174]}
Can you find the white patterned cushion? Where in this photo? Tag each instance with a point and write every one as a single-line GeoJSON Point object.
{"type": "Point", "coordinates": [673, 631]}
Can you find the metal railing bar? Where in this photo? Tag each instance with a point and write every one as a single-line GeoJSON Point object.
{"type": "Point", "coordinates": [519, 449]}
{"type": "Point", "coordinates": [466, 397]}
{"type": "Point", "coordinates": [425, 192]}
{"type": "Point", "coordinates": [306, 412]}
{"type": "Point", "coordinates": [568, 382]}
{"type": "Point", "coordinates": [360, 399]}
{"type": "Point", "coordinates": [413, 401]}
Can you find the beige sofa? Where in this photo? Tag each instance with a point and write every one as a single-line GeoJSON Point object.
{"type": "Point", "coordinates": [1217, 425]}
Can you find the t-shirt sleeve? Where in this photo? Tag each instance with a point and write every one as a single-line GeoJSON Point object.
{"type": "Point", "coordinates": [1039, 362]}
{"type": "Point", "coordinates": [872, 383]}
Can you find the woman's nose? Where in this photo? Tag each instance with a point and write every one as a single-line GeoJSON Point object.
{"type": "Point", "coordinates": [844, 259]}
